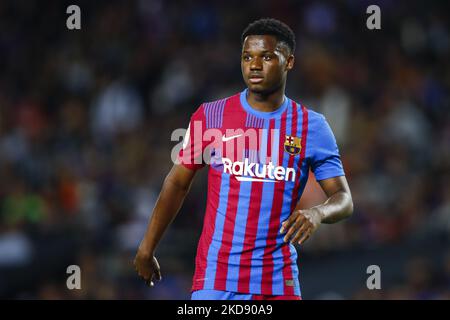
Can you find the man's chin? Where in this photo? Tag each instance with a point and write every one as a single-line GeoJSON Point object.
{"type": "Point", "coordinates": [261, 90]}
{"type": "Point", "coordinates": [257, 88]}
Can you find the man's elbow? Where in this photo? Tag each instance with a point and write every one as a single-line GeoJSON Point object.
{"type": "Point", "coordinates": [179, 178]}
{"type": "Point", "coordinates": [176, 184]}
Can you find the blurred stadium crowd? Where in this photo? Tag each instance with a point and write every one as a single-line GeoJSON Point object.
{"type": "Point", "coordinates": [85, 136]}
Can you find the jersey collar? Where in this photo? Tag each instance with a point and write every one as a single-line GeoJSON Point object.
{"type": "Point", "coordinates": [262, 114]}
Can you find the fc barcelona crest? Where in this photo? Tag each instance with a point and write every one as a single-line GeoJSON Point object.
{"type": "Point", "coordinates": [293, 145]}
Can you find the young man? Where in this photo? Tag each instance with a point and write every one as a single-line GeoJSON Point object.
{"type": "Point", "coordinates": [264, 145]}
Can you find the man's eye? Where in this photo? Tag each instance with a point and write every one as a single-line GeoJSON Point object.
{"type": "Point", "coordinates": [267, 58]}
{"type": "Point", "coordinates": [246, 58]}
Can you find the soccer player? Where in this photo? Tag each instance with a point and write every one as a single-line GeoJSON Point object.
{"type": "Point", "coordinates": [258, 169]}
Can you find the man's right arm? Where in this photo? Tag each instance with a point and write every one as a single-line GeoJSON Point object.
{"type": "Point", "coordinates": [174, 190]}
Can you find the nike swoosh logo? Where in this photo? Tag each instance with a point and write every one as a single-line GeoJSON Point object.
{"type": "Point", "coordinates": [224, 139]}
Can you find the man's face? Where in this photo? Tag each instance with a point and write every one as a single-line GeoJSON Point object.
{"type": "Point", "coordinates": [264, 63]}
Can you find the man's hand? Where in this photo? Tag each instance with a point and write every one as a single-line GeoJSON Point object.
{"type": "Point", "coordinates": [301, 224]}
{"type": "Point", "coordinates": [147, 267]}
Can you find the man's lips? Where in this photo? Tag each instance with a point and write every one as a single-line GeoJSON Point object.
{"type": "Point", "coordinates": [255, 79]}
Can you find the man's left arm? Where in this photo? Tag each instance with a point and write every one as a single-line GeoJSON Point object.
{"type": "Point", "coordinates": [339, 205]}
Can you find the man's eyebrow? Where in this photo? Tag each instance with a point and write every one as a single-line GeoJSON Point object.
{"type": "Point", "coordinates": [263, 51]}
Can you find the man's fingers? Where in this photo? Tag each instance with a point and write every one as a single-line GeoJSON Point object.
{"type": "Point", "coordinates": [298, 227]}
{"type": "Point", "coordinates": [299, 223]}
{"type": "Point", "coordinates": [291, 230]}
{"type": "Point", "coordinates": [303, 229]}
{"type": "Point", "coordinates": [305, 237]}
{"type": "Point", "coordinates": [287, 223]}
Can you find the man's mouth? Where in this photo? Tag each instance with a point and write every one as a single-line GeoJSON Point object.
{"type": "Point", "coordinates": [256, 79]}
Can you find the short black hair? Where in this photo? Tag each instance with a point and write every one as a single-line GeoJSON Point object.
{"type": "Point", "coordinates": [273, 27]}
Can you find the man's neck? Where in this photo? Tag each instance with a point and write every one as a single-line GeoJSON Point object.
{"type": "Point", "coordinates": [265, 103]}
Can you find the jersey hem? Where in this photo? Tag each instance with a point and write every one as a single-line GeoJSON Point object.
{"type": "Point", "coordinates": [194, 287]}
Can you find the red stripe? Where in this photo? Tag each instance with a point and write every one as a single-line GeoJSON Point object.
{"type": "Point", "coordinates": [209, 225]}
{"type": "Point", "coordinates": [271, 241]}
{"type": "Point", "coordinates": [227, 235]}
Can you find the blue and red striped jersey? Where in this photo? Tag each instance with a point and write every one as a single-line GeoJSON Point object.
{"type": "Point", "coordinates": [258, 168]}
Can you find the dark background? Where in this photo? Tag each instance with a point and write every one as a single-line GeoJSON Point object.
{"type": "Point", "coordinates": [86, 118]}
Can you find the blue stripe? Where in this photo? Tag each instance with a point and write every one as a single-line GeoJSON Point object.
{"type": "Point", "coordinates": [210, 115]}
{"type": "Point", "coordinates": [217, 114]}
{"type": "Point", "coordinates": [238, 235]}
{"type": "Point", "coordinates": [304, 178]}
{"type": "Point", "coordinates": [214, 113]}
{"type": "Point", "coordinates": [297, 290]}
{"type": "Point", "coordinates": [222, 111]}
{"type": "Point", "coordinates": [205, 108]}
{"type": "Point", "coordinates": [210, 294]}
{"type": "Point", "coordinates": [263, 222]}
{"type": "Point", "coordinates": [277, 275]}
{"type": "Point", "coordinates": [222, 107]}
{"type": "Point", "coordinates": [252, 121]}
{"type": "Point", "coordinates": [275, 142]}
{"type": "Point", "coordinates": [213, 250]}
{"type": "Point", "coordinates": [278, 280]}
{"type": "Point", "coordinates": [263, 146]}
{"type": "Point", "coordinates": [253, 156]}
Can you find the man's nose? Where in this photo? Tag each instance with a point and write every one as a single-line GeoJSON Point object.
{"type": "Point", "coordinates": [256, 64]}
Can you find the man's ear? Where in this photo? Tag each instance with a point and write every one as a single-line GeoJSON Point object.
{"type": "Point", "coordinates": [290, 62]}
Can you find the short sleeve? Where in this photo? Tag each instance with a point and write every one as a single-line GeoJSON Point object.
{"type": "Point", "coordinates": [325, 158]}
{"type": "Point", "coordinates": [191, 153]}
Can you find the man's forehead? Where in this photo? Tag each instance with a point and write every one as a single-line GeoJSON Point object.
{"type": "Point", "coordinates": [261, 43]}
{"type": "Point", "coordinates": [260, 40]}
